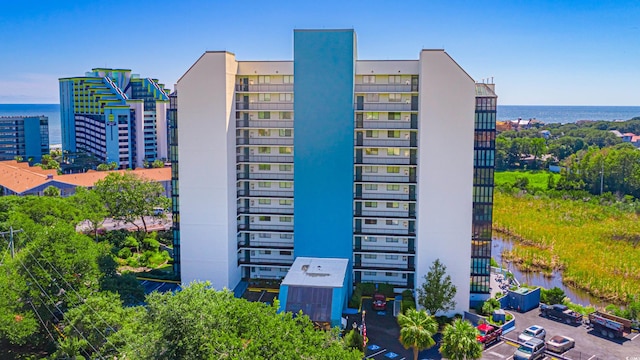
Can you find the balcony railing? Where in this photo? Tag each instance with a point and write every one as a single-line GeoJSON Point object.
{"type": "Point", "coordinates": [384, 196]}
{"type": "Point", "coordinates": [264, 88]}
{"type": "Point", "coordinates": [383, 266]}
{"type": "Point", "coordinates": [385, 88]}
{"type": "Point", "coordinates": [385, 214]}
{"type": "Point", "coordinates": [384, 106]}
{"type": "Point", "coordinates": [386, 160]}
{"type": "Point", "coordinates": [385, 178]}
{"type": "Point", "coordinates": [266, 106]}
{"type": "Point", "coordinates": [399, 283]}
{"type": "Point", "coordinates": [385, 142]}
{"type": "Point", "coordinates": [264, 141]}
{"type": "Point", "coordinates": [264, 124]}
{"type": "Point", "coordinates": [383, 249]}
{"type": "Point", "coordinates": [267, 193]}
{"type": "Point", "coordinates": [264, 244]}
{"type": "Point", "coordinates": [265, 210]}
{"type": "Point", "coordinates": [264, 176]}
{"type": "Point", "coordinates": [378, 231]}
{"type": "Point", "coordinates": [265, 158]}
{"type": "Point", "coordinates": [388, 124]}
{"type": "Point", "coordinates": [265, 227]}
{"type": "Point", "coordinates": [265, 261]}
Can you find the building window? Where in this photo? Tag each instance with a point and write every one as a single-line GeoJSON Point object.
{"type": "Point", "coordinates": [264, 218]}
{"type": "Point", "coordinates": [373, 97]}
{"type": "Point", "coordinates": [286, 185]}
{"type": "Point", "coordinates": [394, 116]}
{"type": "Point", "coordinates": [285, 132]}
{"type": "Point", "coordinates": [370, 256]}
{"type": "Point", "coordinates": [286, 202]}
{"type": "Point", "coordinates": [394, 79]}
{"type": "Point", "coordinates": [393, 169]}
{"type": "Point", "coordinates": [391, 187]}
{"type": "Point", "coordinates": [266, 269]}
{"type": "Point", "coordinates": [370, 204]}
{"type": "Point", "coordinates": [264, 150]}
{"type": "Point", "coordinates": [370, 239]}
{"type": "Point", "coordinates": [264, 167]}
{"type": "Point", "coordinates": [286, 236]}
{"type": "Point", "coordinates": [370, 273]}
{"type": "Point", "coordinates": [284, 167]}
{"type": "Point", "coordinates": [393, 151]}
{"type": "Point", "coordinates": [395, 97]}
{"type": "Point", "coordinates": [287, 79]}
{"type": "Point", "coordinates": [392, 240]}
{"type": "Point", "coordinates": [264, 115]}
{"type": "Point", "coordinates": [286, 150]}
{"type": "Point", "coordinates": [264, 184]}
{"type": "Point", "coordinates": [264, 97]}
{"type": "Point", "coordinates": [264, 79]}
{"type": "Point", "coordinates": [265, 235]}
{"type": "Point", "coordinates": [285, 253]}
{"type": "Point", "coordinates": [394, 134]}
{"type": "Point", "coordinates": [392, 222]}
{"type": "Point", "coordinates": [370, 221]}
{"type": "Point", "coordinates": [389, 274]}
{"type": "Point", "coordinates": [264, 201]}
{"type": "Point", "coordinates": [393, 205]}
{"type": "Point", "coordinates": [370, 169]}
{"type": "Point", "coordinates": [368, 79]}
{"type": "Point", "coordinates": [371, 186]}
{"type": "Point", "coordinates": [285, 115]}
{"type": "Point", "coordinates": [371, 133]}
{"type": "Point", "coordinates": [371, 116]}
{"type": "Point", "coordinates": [263, 132]}
{"type": "Point", "coordinates": [286, 219]}
{"type": "Point", "coordinates": [286, 97]}
{"type": "Point", "coordinates": [371, 151]}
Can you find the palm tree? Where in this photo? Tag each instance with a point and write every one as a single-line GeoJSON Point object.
{"type": "Point", "coordinates": [459, 341]}
{"type": "Point", "coordinates": [416, 330]}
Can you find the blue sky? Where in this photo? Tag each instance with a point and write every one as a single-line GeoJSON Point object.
{"type": "Point", "coordinates": [538, 52]}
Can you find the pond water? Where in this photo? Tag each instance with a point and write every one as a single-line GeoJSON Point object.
{"type": "Point", "coordinates": [577, 296]}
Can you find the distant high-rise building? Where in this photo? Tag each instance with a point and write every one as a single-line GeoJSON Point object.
{"type": "Point", "coordinates": [328, 156]}
{"type": "Point", "coordinates": [114, 115]}
{"type": "Point", "coordinates": [24, 136]}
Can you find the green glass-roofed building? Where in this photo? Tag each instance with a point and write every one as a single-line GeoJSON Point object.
{"type": "Point", "coordinates": [114, 115]}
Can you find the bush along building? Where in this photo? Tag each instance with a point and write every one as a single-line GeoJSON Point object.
{"type": "Point", "coordinates": [386, 165]}
{"type": "Point", "coordinates": [115, 116]}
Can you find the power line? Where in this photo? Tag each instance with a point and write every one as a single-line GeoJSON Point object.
{"type": "Point", "coordinates": [41, 321]}
{"type": "Point", "coordinates": [57, 308]}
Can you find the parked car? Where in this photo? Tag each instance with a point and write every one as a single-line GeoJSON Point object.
{"type": "Point", "coordinates": [379, 302]}
{"type": "Point", "coordinates": [535, 331]}
{"type": "Point", "coordinates": [560, 343]}
{"type": "Point", "coordinates": [530, 350]}
{"type": "Point", "coordinates": [488, 334]}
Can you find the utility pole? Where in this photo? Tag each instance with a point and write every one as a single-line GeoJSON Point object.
{"type": "Point", "coordinates": [11, 242]}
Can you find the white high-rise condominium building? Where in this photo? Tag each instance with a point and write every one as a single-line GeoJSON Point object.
{"type": "Point", "coordinates": [386, 163]}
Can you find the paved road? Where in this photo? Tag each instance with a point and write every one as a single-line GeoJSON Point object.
{"type": "Point", "coordinates": [153, 223]}
{"type": "Point", "coordinates": [589, 344]}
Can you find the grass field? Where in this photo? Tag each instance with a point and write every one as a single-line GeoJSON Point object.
{"type": "Point", "coordinates": [536, 178]}
{"type": "Point", "coordinates": [597, 247]}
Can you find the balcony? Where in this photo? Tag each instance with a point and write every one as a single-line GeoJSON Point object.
{"type": "Point", "coordinates": [387, 124]}
{"type": "Point", "coordinates": [265, 158]}
{"type": "Point", "coordinates": [264, 141]}
{"type": "Point", "coordinates": [264, 88]}
{"type": "Point", "coordinates": [264, 176]}
{"type": "Point", "coordinates": [265, 261]}
{"type": "Point", "coordinates": [405, 142]}
{"type": "Point", "coordinates": [265, 193]}
{"type": "Point", "coordinates": [385, 178]}
{"type": "Point", "coordinates": [386, 88]}
{"type": "Point", "coordinates": [265, 210]}
{"type": "Point", "coordinates": [253, 226]}
{"type": "Point", "coordinates": [258, 244]}
{"type": "Point", "coordinates": [364, 248]}
{"type": "Point", "coordinates": [383, 267]}
{"type": "Point", "coordinates": [384, 196]}
{"type": "Point", "coordinates": [379, 231]}
{"type": "Point", "coordinates": [267, 106]}
{"type": "Point", "coordinates": [402, 214]}
{"type": "Point", "coordinates": [264, 124]}
{"type": "Point", "coordinates": [385, 160]}
{"type": "Point", "coordinates": [386, 106]}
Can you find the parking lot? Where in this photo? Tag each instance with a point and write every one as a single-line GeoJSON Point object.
{"type": "Point", "coordinates": [590, 345]}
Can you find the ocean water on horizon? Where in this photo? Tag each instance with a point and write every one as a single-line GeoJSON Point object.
{"type": "Point", "coordinates": [547, 114]}
{"type": "Point", "coordinates": [566, 114]}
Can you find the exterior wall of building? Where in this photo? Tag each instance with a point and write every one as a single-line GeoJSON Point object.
{"type": "Point", "coordinates": [24, 136]}
{"type": "Point", "coordinates": [324, 65]}
{"type": "Point", "coordinates": [67, 116]}
{"type": "Point", "coordinates": [208, 208]}
{"type": "Point", "coordinates": [445, 170]}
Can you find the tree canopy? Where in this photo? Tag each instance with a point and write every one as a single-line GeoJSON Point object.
{"type": "Point", "coordinates": [416, 330]}
{"type": "Point", "coordinates": [459, 341]}
{"type": "Point", "coordinates": [437, 291]}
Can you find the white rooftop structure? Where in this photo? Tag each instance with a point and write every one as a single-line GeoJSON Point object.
{"type": "Point", "coordinates": [317, 272]}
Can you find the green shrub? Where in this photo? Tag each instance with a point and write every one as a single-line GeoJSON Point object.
{"type": "Point", "coordinates": [407, 293]}
{"type": "Point", "coordinates": [407, 304]}
{"type": "Point", "coordinates": [124, 253]}
{"type": "Point", "coordinates": [552, 296]}
{"type": "Point", "coordinates": [386, 289]}
{"type": "Point", "coordinates": [133, 261]}
{"type": "Point", "coordinates": [489, 306]}
{"type": "Point", "coordinates": [356, 298]}
{"type": "Point", "coordinates": [151, 244]}
{"type": "Point", "coordinates": [368, 289]}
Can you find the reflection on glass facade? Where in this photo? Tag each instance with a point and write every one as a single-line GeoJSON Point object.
{"type": "Point", "coordinates": [172, 127]}
{"type": "Point", "coordinates": [483, 168]}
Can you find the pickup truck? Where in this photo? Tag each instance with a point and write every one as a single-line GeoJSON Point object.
{"type": "Point", "coordinates": [562, 313]}
{"type": "Point", "coordinates": [488, 334]}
